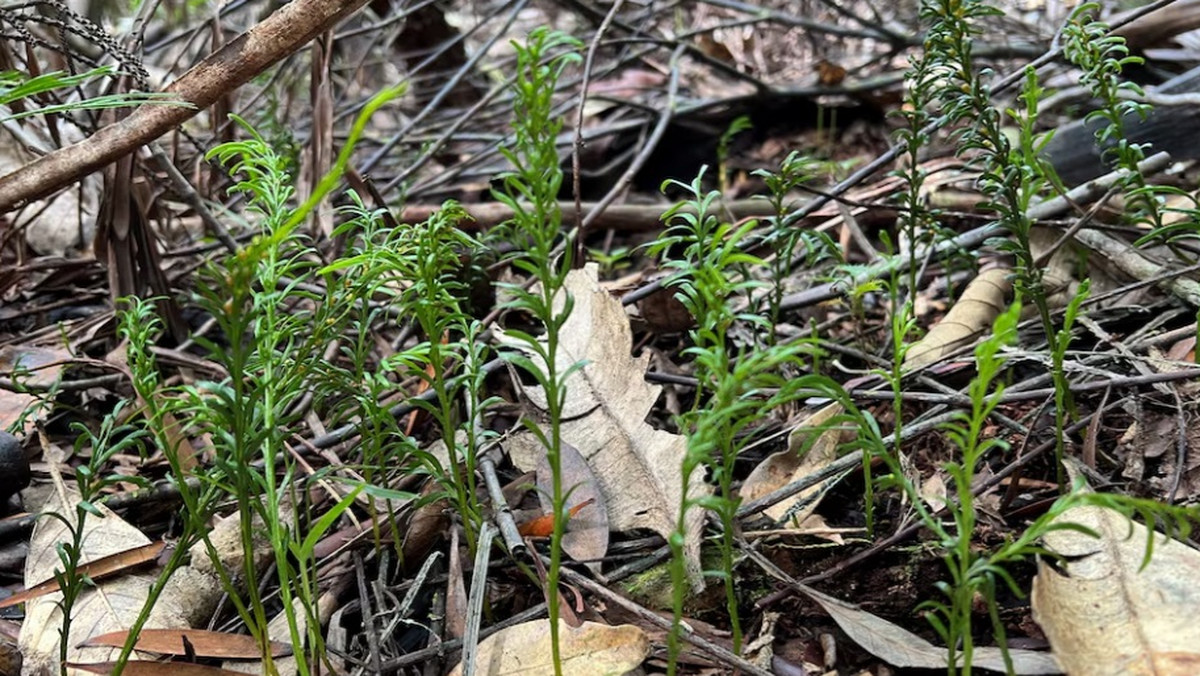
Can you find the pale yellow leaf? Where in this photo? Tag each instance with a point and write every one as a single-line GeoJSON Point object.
{"type": "Point", "coordinates": [591, 650]}
{"type": "Point", "coordinates": [973, 314]}
{"type": "Point", "coordinates": [779, 469]}
{"type": "Point", "coordinates": [933, 492]}
{"type": "Point", "coordinates": [1105, 614]}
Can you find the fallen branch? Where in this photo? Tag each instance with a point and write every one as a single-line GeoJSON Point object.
{"type": "Point", "coordinates": [252, 52]}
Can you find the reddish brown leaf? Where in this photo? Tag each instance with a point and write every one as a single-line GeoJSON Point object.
{"type": "Point", "coordinates": [98, 569]}
{"type": "Point", "coordinates": [204, 643]}
{"type": "Point", "coordinates": [426, 527]}
{"type": "Point", "coordinates": [143, 668]}
{"type": "Point", "coordinates": [421, 389]}
{"type": "Point", "coordinates": [830, 74]}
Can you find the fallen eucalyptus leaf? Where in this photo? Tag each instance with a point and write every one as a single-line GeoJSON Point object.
{"type": "Point", "coordinates": [591, 650]}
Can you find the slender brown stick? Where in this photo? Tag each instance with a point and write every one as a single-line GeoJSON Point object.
{"type": "Point", "coordinates": [252, 52]}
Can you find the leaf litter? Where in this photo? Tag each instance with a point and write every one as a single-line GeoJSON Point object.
{"type": "Point", "coordinates": [624, 470]}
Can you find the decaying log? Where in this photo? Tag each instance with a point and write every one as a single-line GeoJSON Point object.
{"type": "Point", "coordinates": [1175, 129]}
{"type": "Point", "coordinates": [1161, 25]}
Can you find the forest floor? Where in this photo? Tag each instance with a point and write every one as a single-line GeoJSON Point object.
{"type": "Point", "coordinates": [791, 417]}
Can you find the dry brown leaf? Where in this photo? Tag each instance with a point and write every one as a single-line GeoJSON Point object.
{"type": "Point", "coordinates": [591, 650]}
{"type": "Point", "coordinates": [1183, 350]}
{"type": "Point", "coordinates": [1105, 614]}
{"type": "Point", "coordinates": [101, 568]}
{"type": "Point", "coordinates": [586, 538]}
{"type": "Point", "coordinates": [278, 631]}
{"type": "Point", "coordinates": [779, 469]}
{"type": "Point", "coordinates": [636, 466]}
{"type": "Point", "coordinates": [112, 605]}
{"type": "Point", "coordinates": [456, 591]}
{"type": "Point", "coordinates": [902, 648]}
{"type": "Point", "coordinates": [191, 595]}
{"type": "Point", "coordinates": [43, 365]}
{"type": "Point", "coordinates": [663, 312]}
{"type": "Point", "coordinates": [203, 643]}
{"type": "Point", "coordinates": [148, 668]}
{"type": "Point", "coordinates": [981, 302]}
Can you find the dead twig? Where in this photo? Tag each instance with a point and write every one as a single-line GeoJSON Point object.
{"type": "Point", "coordinates": [252, 52]}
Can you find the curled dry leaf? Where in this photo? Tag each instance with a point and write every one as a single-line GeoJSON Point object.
{"type": "Point", "coordinates": [780, 469]}
{"type": "Point", "coordinates": [279, 632]}
{"type": "Point", "coordinates": [591, 650]}
{"type": "Point", "coordinates": [1104, 613]}
{"type": "Point", "coordinates": [981, 302]}
{"type": "Point", "coordinates": [636, 466]}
